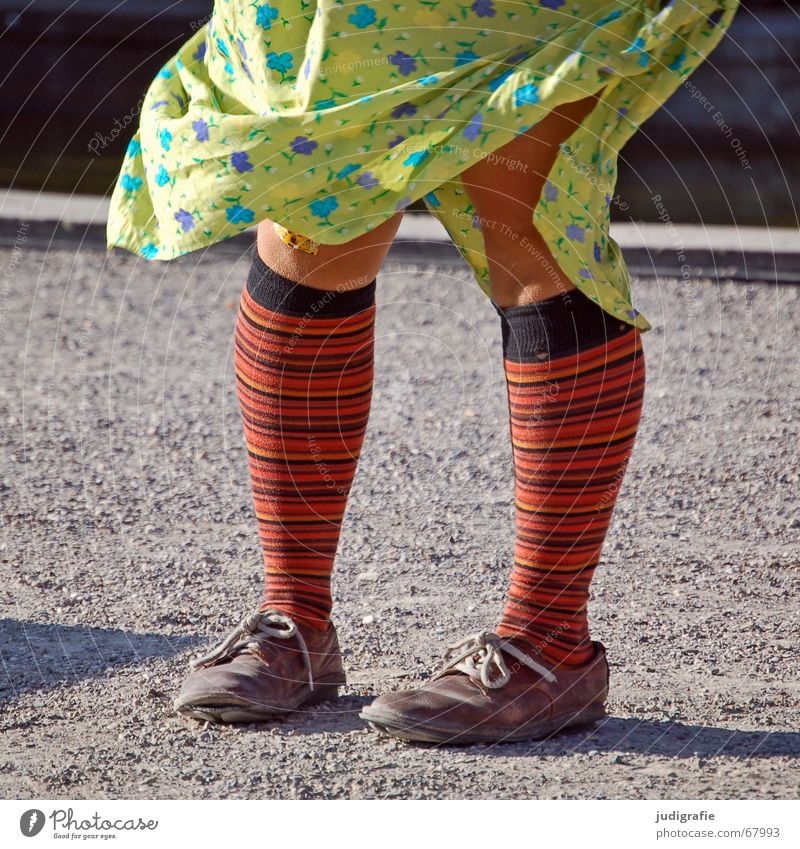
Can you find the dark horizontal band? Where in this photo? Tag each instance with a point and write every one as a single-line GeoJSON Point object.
{"type": "Point", "coordinates": [556, 327]}
{"type": "Point", "coordinates": [275, 292]}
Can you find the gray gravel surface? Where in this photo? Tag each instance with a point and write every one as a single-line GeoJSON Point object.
{"type": "Point", "coordinates": [128, 542]}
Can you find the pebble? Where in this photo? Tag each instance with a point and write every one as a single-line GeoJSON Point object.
{"type": "Point", "coordinates": [367, 576]}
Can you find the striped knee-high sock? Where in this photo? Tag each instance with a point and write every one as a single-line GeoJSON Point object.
{"type": "Point", "coordinates": [304, 370]}
{"type": "Point", "coordinates": [575, 378]}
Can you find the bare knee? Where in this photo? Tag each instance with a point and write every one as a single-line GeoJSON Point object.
{"type": "Point", "coordinates": [351, 265]}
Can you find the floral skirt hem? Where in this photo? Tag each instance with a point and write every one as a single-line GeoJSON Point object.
{"type": "Point", "coordinates": [330, 118]}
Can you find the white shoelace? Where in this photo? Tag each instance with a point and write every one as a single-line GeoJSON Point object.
{"type": "Point", "coordinates": [254, 628]}
{"type": "Point", "coordinates": [478, 654]}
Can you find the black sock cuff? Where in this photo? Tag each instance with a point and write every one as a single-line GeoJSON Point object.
{"type": "Point", "coordinates": [275, 292]}
{"type": "Point", "coordinates": [559, 326]}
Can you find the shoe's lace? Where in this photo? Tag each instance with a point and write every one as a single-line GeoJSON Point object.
{"type": "Point", "coordinates": [254, 628]}
{"type": "Point", "coordinates": [480, 653]}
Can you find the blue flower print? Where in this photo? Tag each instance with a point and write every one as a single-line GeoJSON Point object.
{"type": "Point", "coordinates": [474, 128]}
{"type": "Point", "coordinates": [405, 64]}
{"type": "Point", "coordinates": [403, 203]}
{"type": "Point", "coordinates": [465, 57]}
{"type": "Point", "coordinates": [552, 4]}
{"type": "Point", "coordinates": [550, 191]}
{"type": "Point", "coordinates": [363, 17]}
{"type": "Point", "coordinates": [149, 250]}
{"type": "Point", "coordinates": [281, 62]}
{"type": "Point", "coordinates": [200, 53]}
{"type": "Point", "coordinates": [585, 273]}
{"type": "Point", "coordinates": [677, 62]}
{"type": "Point", "coordinates": [526, 94]}
{"type": "Point", "coordinates": [223, 48]}
{"type": "Point", "coordinates": [575, 233]}
{"type": "Point", "coordinates": [431, 79]}
{"type": "Point", "coordinates": [238, 214]}
{"type": "Point", "coordinates": [596, 252]}
{"type": "Point", "coordinates": [432, 200]}
{"type": "Point", "coordinates": [416, 158]}
{"type": "Point", "coordinates": [165, 138]}
{"type": "Point", "coordinates": [185, 219]}
{"type": "Point", "coordinates": [484, 8]}
{"type": "Point", "coordinates": [130, 184]}
{"type": "Point", "coordinates": [162, 176]}
{"type": "Point", "coordinates": [134, 148]}
{"type": "Point", "coordinates": [165, 73]}
{"type": "Point", "coordinates": [396, 141]}
{"type": "Point", "coordinates": [265, 15]}
{"type": "Point", "coordinates": [323, 207]}
{"type": "Point", "coordinates": [498, 81]}
{"type": "Point", "coordinates": [367, 180]}
{"type": "Point", "coordinates": [304, 145]}
{"type": "Point", "coordinates": [404, 109]}
{"type": "Point", "coordinates": [606, 19]}
{"type": "Point", "coordinates": [200, 130]}
{"type": "Point", "coordinates": [241, 161]}
{"type": "Point", "coordinates": [347, 170]}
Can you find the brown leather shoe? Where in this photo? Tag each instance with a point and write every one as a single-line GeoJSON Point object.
{"type": "Point", "coordinates": [492, 690]}
{"type": "Point", "coordinates": [266, 666]}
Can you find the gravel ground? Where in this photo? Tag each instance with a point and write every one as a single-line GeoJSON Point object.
{"type": "Point", "coordinates": [128, 542]}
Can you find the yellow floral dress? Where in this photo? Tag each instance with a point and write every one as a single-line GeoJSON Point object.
{"type": "Point", "coordinates": [328, 117]}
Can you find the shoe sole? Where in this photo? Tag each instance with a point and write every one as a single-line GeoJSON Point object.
{"type": "Point", "coordinates": [228, 713]}
{"type": "Point", "coordinates": [586, 718]}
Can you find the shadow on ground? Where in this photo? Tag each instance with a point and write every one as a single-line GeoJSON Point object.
{"type": "Point", "coordinates": [618, 735]}
{"type": "Point", "coordinates": [37, 656]}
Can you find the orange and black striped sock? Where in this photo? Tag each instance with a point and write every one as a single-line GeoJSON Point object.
{"type": "Point", "coordinates": [304, 371]}
{"type": "Point", "coordinates": [575, 379]}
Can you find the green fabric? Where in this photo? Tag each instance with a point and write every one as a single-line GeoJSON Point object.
{"type": "Point", "coordinates": [329, 117]}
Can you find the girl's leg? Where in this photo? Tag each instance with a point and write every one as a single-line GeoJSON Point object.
{"type": "Point", "coordinates": [304, 365]}
{"type": "Point", "coordinates": [303, 356]}
{"type": "Point", "coordinates": [575, 379]}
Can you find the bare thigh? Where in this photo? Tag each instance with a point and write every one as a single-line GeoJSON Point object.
{"type": "Point", "coordinates": [504, 190]}
{"type": "Point", "coordinates": [351, 265]}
